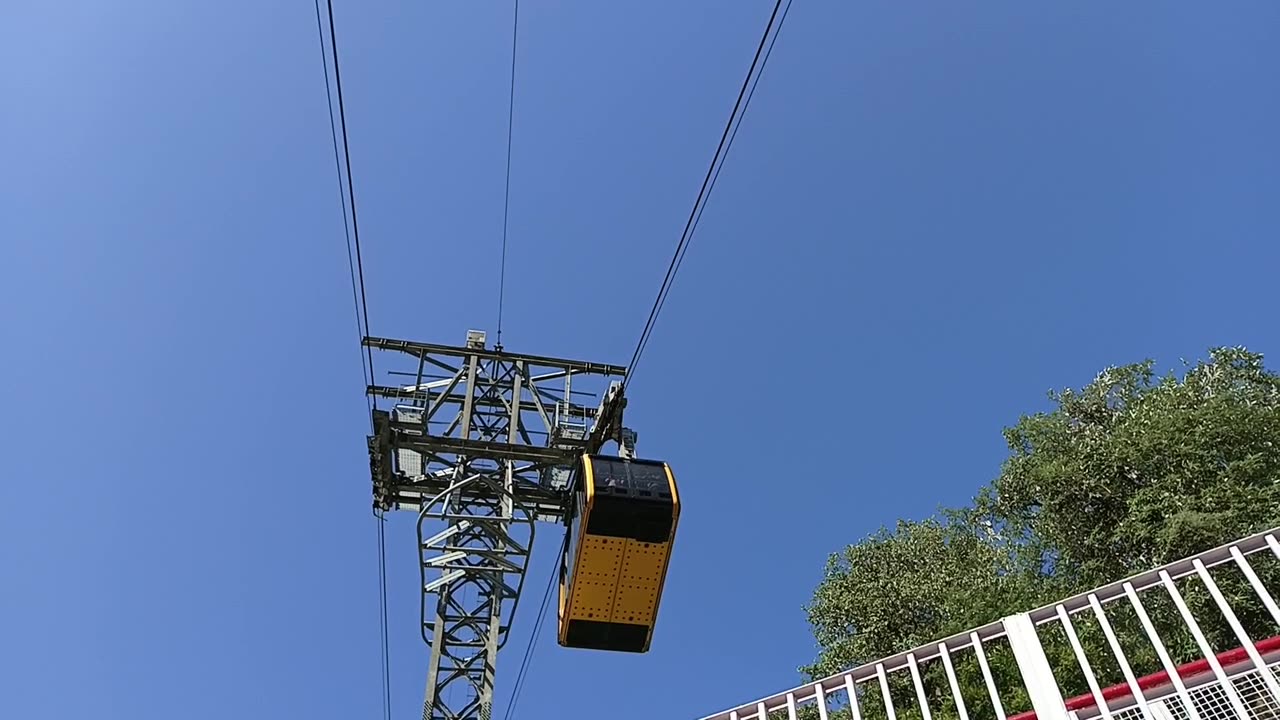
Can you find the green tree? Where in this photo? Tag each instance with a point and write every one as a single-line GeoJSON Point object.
{"type": "Point", "coordinates": [918, 583]}
{"type": "Point", "coordinates": [1131, 472]}
{"type": "Point", "coordinates": [1128, 472]}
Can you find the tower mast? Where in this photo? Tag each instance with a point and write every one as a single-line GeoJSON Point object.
{"type": "Point", "coordinates": [480, 443]}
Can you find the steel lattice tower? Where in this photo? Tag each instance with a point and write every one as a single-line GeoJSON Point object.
{"type": "Point", "coordinates": [480, 443]}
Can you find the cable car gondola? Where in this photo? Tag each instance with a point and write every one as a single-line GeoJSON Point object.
{"type": "Point", "coordinates": [621, 526]}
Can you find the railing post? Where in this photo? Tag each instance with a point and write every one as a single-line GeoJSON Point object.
{"type": "Point", "coordinates": [1037, 675]}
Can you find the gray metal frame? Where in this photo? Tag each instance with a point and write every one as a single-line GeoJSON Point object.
{"type": "Point", "coordinates": [480, 442]}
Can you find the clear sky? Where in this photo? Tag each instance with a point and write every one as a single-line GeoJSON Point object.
{"type": "Point", "coordinates": [934, 213]}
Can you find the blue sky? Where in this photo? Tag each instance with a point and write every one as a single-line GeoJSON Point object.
{"type": "Point", "coordinates": [933, 214]}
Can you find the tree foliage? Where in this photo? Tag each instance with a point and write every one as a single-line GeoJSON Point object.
{"type": "Point", "coordinates": [1129, 472]}
{"type": "Point", "coordinates": [1132, 472]}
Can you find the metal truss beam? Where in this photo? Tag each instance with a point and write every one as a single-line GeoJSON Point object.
{"type": "Point", "coordinates": [479, 444]}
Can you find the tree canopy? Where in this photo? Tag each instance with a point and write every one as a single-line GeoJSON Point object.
{"type": "Point", "coordinates": [1129, 472]}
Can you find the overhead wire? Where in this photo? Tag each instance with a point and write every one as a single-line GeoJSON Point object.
{"type": "Point", "coordinates": [737, 126]}
{"type": "Point", "coordinates": [360, 298]}
{"type": "Point", "coordinates": [380, 517]}
{"type": "Point", "coordinates": [533, 636]}
{"type": "Point", "coordinates": [351, 190]}
{"type": "Point", "coordinates": [342, 194]}
{"type": "Point", "coordinates": [506, 201]}
{"type": "Point", "coordinates": [355, 267]}
{"type": "Point", "coordinates": [768, 38]}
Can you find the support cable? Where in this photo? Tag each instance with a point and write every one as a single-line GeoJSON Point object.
{"type": "Point", "coordinates": [533, 636]}
{"type": "Point", "coordinates": [769, 37]}
{"type": "Point", "coordinates": [358, 299]}
{"type": "Point", "coordinates": [351, 190]}
{"type": "Point", "coordinates": [342, 198]}
{"type": "Point", "coordinates": [382, 592]}
{"type": "Point", "coordinates": [745, 94]}
{"type": "Point", "coordinates": [506, 201]}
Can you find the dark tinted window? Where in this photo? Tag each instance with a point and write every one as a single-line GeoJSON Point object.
{"type": "Point", "coordinates": [609, 472]}
{"type": "Point", "coordinates": [631, 475]}
{"type": "Point", "coordinates": [652, 478]}
{"type": "Point", "coordinates": [632, 500]}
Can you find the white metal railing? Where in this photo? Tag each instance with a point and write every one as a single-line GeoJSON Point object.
{"type": "Point", "coordinates": [1180, 609]}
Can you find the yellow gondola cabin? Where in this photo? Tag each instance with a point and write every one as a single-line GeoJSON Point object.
{"type": "Point", "coordinates": [621, 528]}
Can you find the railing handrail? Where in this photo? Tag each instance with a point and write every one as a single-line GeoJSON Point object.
{"type": "Point", "coordinates": [993, 630]}
{"type": "Point", "coordinates": [1186, 671]}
